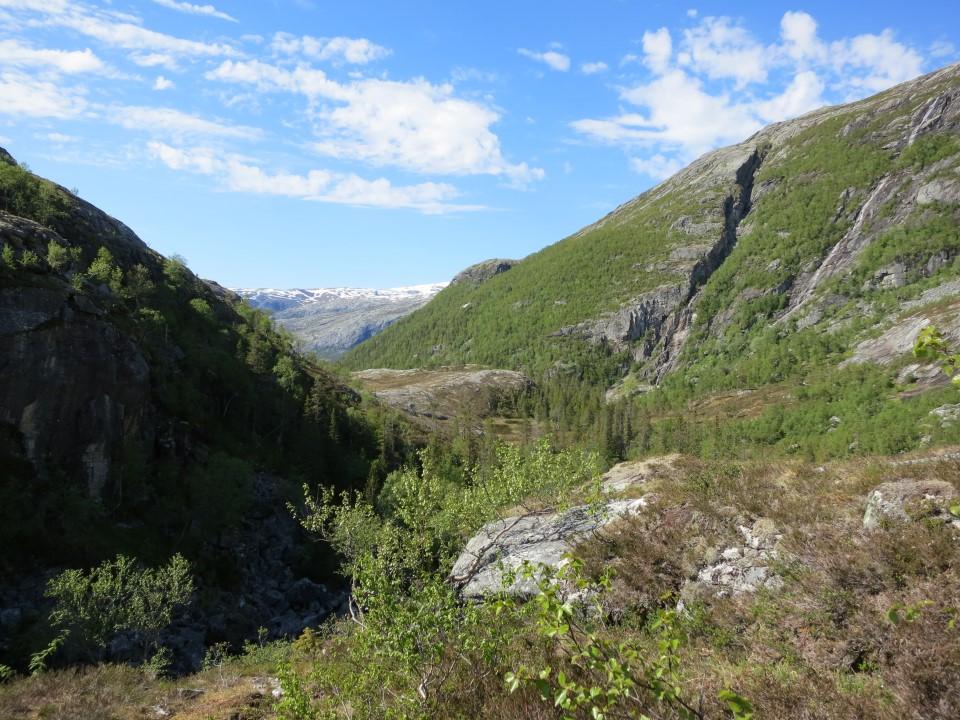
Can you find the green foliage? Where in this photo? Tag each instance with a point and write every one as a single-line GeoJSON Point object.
{"type": "Point", "coordinates": [60, 258]}
{"type": "Point", "coordinates": [39, 660]}
{"type": "Point", "coordinates": [202, 308]}
{"type": "Point", "coordinates": [6, 673]}
{"type": "Point", "coordinates": [8, 258]}
{"type": "Point", "coordinates": [932, 346]}
{"type": "Point", "coordinates": [411, 631]}
{"type": "Point", "coordinates": [593, 673]}
{"type": "Point", "coordinates": [929, 149]}
{"type": "Point", "coordinates": [116, 596]}
{"type": "Point", "coordinates": [29, 260]}
{"type": "Point", "coordinates": [175, 271]}
{"type": "Point", "coordinates": [104, 270]}
{"type": "Point", "coordinates": [26, 195]}
{"type": "Point", "coordinates": [220, 492]}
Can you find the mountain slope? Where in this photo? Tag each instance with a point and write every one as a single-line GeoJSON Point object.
{"type": "Point", "coordinates": [330, 321]}
{"type": "Point", "coordinates": [146, 412]}
{"type": "Point", "coordinates": [827, 221]}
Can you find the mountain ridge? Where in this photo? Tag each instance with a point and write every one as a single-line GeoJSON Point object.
{"type": "Point", "coordinates": [330, 321]}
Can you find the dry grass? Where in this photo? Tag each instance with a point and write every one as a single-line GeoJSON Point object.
{"type": "Point", "coordinates": [119, 692]}
{"type": "Point", "coordinates": [866, 625]}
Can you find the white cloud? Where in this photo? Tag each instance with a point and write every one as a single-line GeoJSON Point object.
{"type": "Point", "coordinates": [174, 122]}
{"type": "Point", "coordinates": [113, 29]}
{"type": "Point", "coordinates": [356, 51]}
{"type": "Point", "coordinates": [553, 59]}
{"type": "Point", "coordinates": [942, 49]}
{"type": "Point", "coordinates": [657, 49]}
{"type": "Point", "coordinates": [26, 96]}
{"type": "Point", "coordinates": [191, 9]}
{"type": "Point", "coordinates": [656, 166]}
{"type": "Point", "coordinates": [241, 175]}
{"type": "Point", "coordinates": [799, 33]}
{"type": "Point", "coordinates": [804, 93]}
{"type": "Point", "coordinates": [162, 83]}
{"type": "Point", "coordinates": [679, 114]}
{"type": "Point", "coordinates": [720, 49]}
{"type": "Point", "coordinates": [154, 60]}
{"type": "Point", "coordinates": [692, 13]}
{"type": "Point", "coordinates": [592, 68]}
{"type": "Point", "coordinates": [304, 80]}
{"type": "Point", "coordinates": [715, 88]}
{"type": "Point", "coordinates": [60, 138]}
{"type": "Point", "coordinates": [883, 60]}
{"type": "Point", "coordinates": [13, 53]}
{"type": "Point", "coordinates": [469, 74]}
{"type": "Point", "coordinates": [414, 125]}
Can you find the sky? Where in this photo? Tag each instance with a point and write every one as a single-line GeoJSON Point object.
{"type": "Point", "coordinates": [309, 143]}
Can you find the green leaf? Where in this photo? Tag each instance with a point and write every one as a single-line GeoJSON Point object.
{"type": "Point", "coordinates": [741, 708]}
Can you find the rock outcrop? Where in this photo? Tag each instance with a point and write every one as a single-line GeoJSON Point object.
{"type": "Point", "coordinates": [742, 568]}
{"type": "Point", "coordinates": [446, 393]}
{"type": "Point", "coordinates": [76, 387]}
{"type": "Point", "coordinates": [482, 271]}
{"type": "Point", "coordinates": [504, 546]}
{"type": "Point", "coordinates": [905, 500]}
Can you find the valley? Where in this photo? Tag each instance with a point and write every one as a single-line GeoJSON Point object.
{"type": "Point", "coordinates": [331, 321]}
{"type": "Point", "coordinates": [697, 460]}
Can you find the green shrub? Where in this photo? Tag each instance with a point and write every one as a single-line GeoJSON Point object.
{"type": "Point", "coordinates": [116, 596]}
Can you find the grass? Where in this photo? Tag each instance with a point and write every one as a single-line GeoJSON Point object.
{"type": "Point", "coordinates": [864, 625]}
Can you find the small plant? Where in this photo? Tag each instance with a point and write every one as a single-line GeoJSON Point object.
{"type": "Point", "coordinates": [39, 660]}
{"type": "Point", "coordinates": [61, 258]}
{"type": "Point", "coordinates": [158, 665]}
{"type": "Point", "coordinates": [931, 345]}
{"type": "Point", "coordinates": [6, 673]}
{"type": "Point", "coordinates": [8, 258]}
{"type": "Point", "coordinates": [29, 260]}
{"type": "Point", "coordinates": [104, 270]}
{"type": "Point", "coordinates": [216, 657]}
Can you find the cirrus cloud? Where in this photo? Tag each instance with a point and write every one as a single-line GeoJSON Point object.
{"type": "Point", "coordinates": [239, 174]}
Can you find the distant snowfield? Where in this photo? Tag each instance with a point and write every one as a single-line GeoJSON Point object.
{"type": "Point", "coordinates": [303, 296]}
{"type": "Point", "coordinates": [332, 320]}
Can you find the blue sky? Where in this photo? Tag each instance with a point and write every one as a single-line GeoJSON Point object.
{"type": "Point", "coordinates": [305, 143]}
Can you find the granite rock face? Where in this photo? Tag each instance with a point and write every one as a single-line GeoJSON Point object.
{"type": "Point", "coordinates": [75, 386]}
{"type": "Point", "coordinates": [539, 539]}
{"type": "Point", "coordinates": [445, 393]}
{"type": "Point", "coordinates": [905, 500]}
{"type": "Point", "coordinates": [483, 271]}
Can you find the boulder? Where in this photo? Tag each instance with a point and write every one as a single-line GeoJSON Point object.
{"type": "Point", "coordinates": [946, 415]}
{"type": "Point", "coordinates": [740, 568]}
{"type": "Point", "coordinates": [905, 500]}
{"type": "Point", "coordinates": [626, 475]}
{"type": "Point", "coordinates": [538, 538]}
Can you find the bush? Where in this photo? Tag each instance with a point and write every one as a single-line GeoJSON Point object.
{"type": "Point", "coordinates": [117, 596]}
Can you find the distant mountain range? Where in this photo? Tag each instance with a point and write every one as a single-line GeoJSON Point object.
{"type": "Point", "coordinates": [330, 321]}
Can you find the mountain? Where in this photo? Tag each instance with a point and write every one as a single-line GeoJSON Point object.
{"type": "Point", "coordinates": [330, 321]}
{"type": "Point", "coordinates": [760, 263]}
{"type": "Point", "coordinates": [145, 411]}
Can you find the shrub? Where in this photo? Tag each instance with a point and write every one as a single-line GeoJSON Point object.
{"type": "Point", "coordinates": [61, 258]}
{"type": "Point", "coordinates": [104, 270]}
{"type": "Point", "coordinates": [117, 596]}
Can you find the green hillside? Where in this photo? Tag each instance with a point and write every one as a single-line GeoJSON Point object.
{"type": "Point", "coordinates": [737, 271]}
